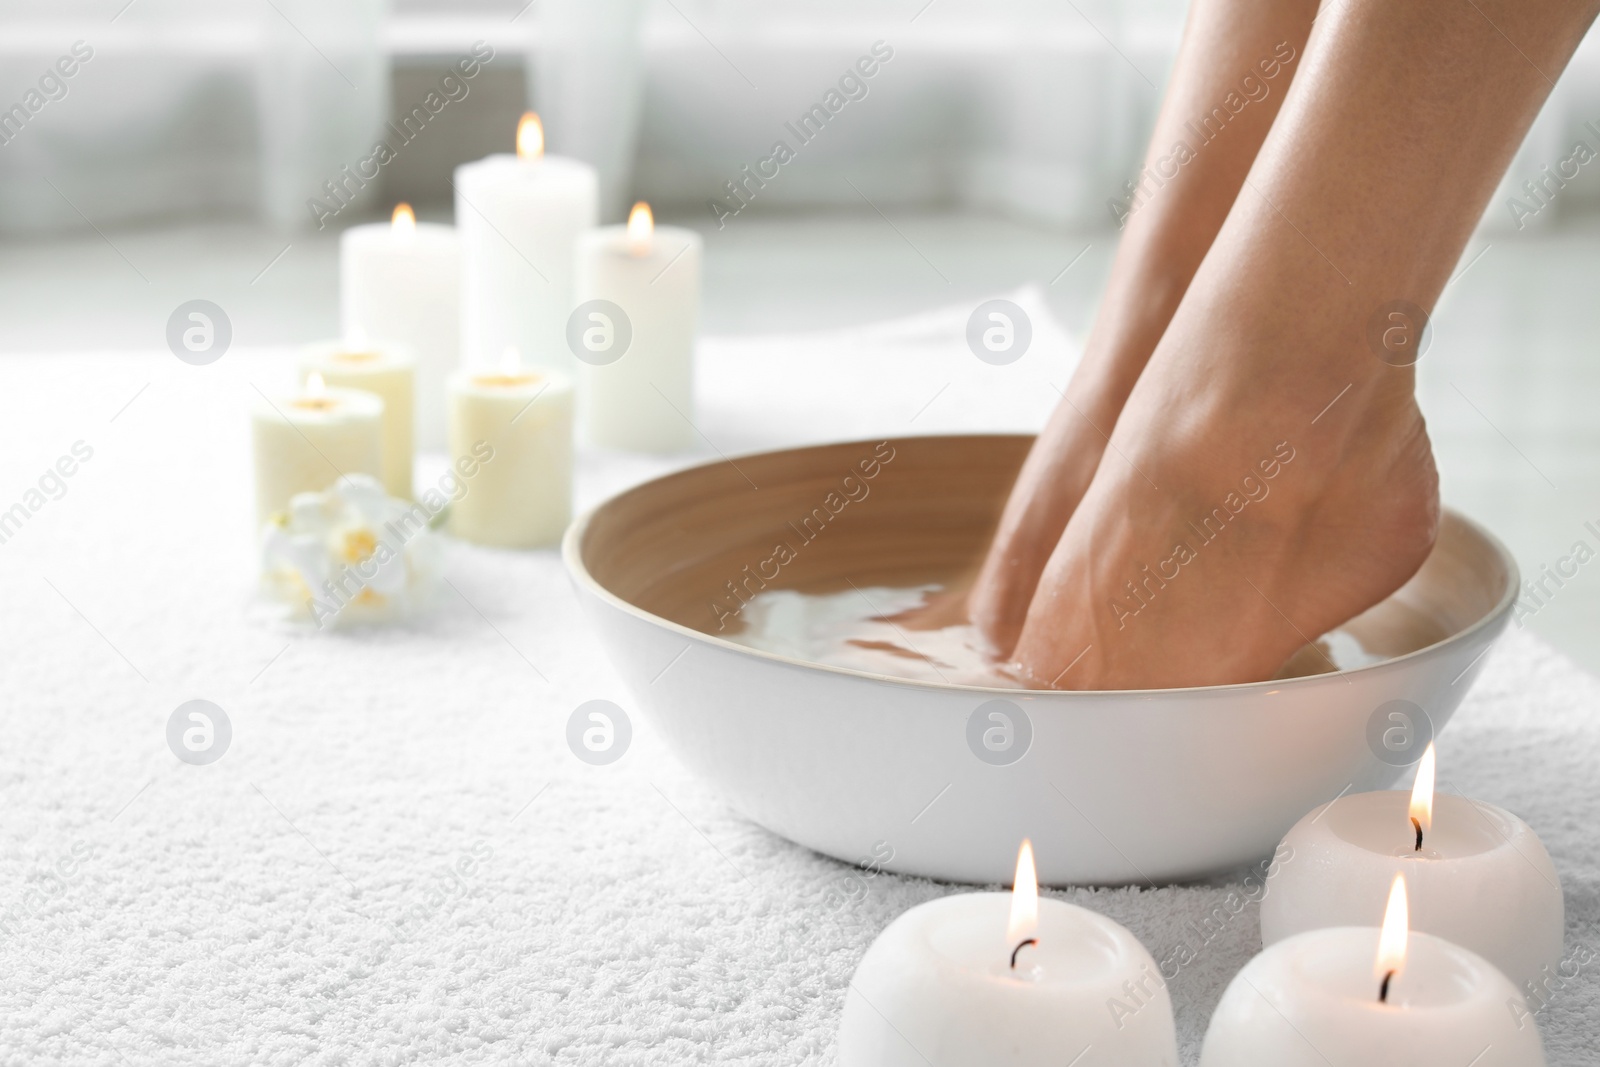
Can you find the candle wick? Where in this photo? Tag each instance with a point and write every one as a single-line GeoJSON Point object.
{"type": "Point", "coordinates": [1383, 990]}
{"type": "Point", "coordinates": [1415, 822]}
{"type": "Point", "coordinates": [1019, 948]}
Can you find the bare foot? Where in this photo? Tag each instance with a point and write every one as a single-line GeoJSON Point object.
{"type": "Point", "coordinates": [1226, 529]}
{"type": "Point", "coordinates": [1057, 473]}
{"type": "Point", "coordinates": [1173, 214]}
{"type": "Point", "coordinates": [1059, 468]}
{"type": "Point", "coordinates": [1365, 192]}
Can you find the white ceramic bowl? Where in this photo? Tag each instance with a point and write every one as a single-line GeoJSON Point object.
{"type": "Point", "coordinates": [1138, 786]}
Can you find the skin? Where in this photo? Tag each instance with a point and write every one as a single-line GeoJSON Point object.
{"type": "Point", "coordinates": [1164, 238]}
{"type": "Point", "coordinates": [1401, 119]}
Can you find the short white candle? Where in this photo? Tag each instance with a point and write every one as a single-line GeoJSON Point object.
{"type": "Point", "coordinates": [400, 284]}
{"type": "Point", "coordinates": [519, 218]}
{"type": "Point", "coordinates": [1361, 997]}
{"type": "Point", "coordinates": [304, 443]}
{"type": "Point", "coordinates": [516, 425]}
{"type": "Point", "coordinates": [1482, 878]}
{"type": "Point", "coordinates": [643, 398]}
{"type": "Point", "coordinates": [938, 988]}
{"type": "Point", "coordinates": [388, 373]}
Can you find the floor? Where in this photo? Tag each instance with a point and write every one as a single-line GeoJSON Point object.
{"type": "Point", "coordinates": [1510, 385]}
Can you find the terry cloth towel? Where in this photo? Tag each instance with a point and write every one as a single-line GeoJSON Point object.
{"type": "Point", "coordinates": [399, 859]}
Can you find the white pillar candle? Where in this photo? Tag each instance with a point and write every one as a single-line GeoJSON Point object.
{"type": "Point", "coordinates": [401, 284]}
{"type": "Point", "coordinates": [385, 372]}
{"type": "Point", "coordinates": [516, 427]}
{"type": "Point", "coordinates": [304, 443]}
{"type": "Point", "coordinates": [1006, 979]}
{"type": "Point", "coordinates": [519, 218]}
{"type": "Point", "coordinates": [1366, 997]}
{"type": "Point", "coordinates": [1482, 879]}
{"type": "Point", "coordinates": [636, 382]}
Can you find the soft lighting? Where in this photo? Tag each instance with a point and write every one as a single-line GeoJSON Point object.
{"type": "Point", "coordinates": [641, 228]}
{"type": "Point", "coordinates": [530, 137]}
{"type": "Point", "coordinates": [1422, 795]}
{"type": "Point", "coordinates": [507, 373]}
{"type": "Point", "coordinates": [1392, 940]}
{"type": "Point", "coordinates": [404, 220]}
{"type": "Point", "coordinates": [1024, 922]}
{"type": "Point", "coordinates": [315, 397]}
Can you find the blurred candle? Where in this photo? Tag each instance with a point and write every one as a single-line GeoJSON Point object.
{"type": "Point", "coordinates": [400, 283]}
{"type": "Point", "coordinates": [304, 443]}
{"type": "Point", "coordinates": [640, 396]}
{"type": "Point", "coordinates": [387, 372]}
{"type": "Point", "coordinates": [1378, 997]}
{"type": "Point", "coordinates": [513, 427]}
{"type": "Point", "coordinates": [520, 217]}
{"type": "Point", "coordinates": [1479, 876]}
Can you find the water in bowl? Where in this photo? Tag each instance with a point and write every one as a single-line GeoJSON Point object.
{"type": "Point", "coordinates": [866, 629]}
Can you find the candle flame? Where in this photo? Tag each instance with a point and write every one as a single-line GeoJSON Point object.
{"type": "Point", "coordinates": [641, 228]}
{"type": "Point", "coordinates": [404, 220]}
{"type": "Point", "coordinates": [530, 137]}
{"type": "Point", "coordinates": [1396, 928]}
{"type": "Point", "coordinates": [316, 388]}
{"type": "Point", "coordinates": [1422, 791]}
{"type": "Point", "coordinates": [1024, 922]}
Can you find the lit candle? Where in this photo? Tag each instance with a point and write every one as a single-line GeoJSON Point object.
{"type": "Point", "coordinates": [640, 397]}
{"type": "Point", "coordinates": [520, 217]}
{"type": "Point", "coordinates": [390, 374]}
{"type": "Point", "coordinates": [511, 442]}
{"type": "Point", "coordinates": [400, 284]}
{"type": "Point", "coordinates": [997, 978]}
{"type": "Point", "coordinates": [1371, 997]}
{"type": "Point", "coordinates": [304, 443]}
{"type": "Point", "coordinates": [1479, 876]}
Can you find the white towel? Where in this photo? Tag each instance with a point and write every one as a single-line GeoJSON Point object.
{"type": "Point", "coordinates": [398, 859]}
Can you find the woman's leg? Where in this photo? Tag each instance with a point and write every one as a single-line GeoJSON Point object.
{"type": "Point", "coordinates": [1233, 69]}
{"type": "Point", "coordinates": [1278, 477]}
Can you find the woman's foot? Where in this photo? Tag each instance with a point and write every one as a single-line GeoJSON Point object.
{"type": "Point", "coordinates": [1058, 471]}
{"type": "Point", "coordinates": [1384, 156]}
{"type": "Point", "coordinates": [1172, 212]}
{"type": "Point", "coordinates": [1245, 518]}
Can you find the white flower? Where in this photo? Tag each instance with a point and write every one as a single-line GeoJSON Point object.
{"type": "Point", "coordinates": [350, 553]}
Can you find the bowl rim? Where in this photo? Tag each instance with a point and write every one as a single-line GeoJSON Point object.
{"type": "Point", "coordinates": [572, 557]}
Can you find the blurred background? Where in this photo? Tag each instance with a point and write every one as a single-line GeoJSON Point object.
{"type": "Point", "coordinates": [215, 149]}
